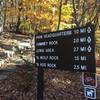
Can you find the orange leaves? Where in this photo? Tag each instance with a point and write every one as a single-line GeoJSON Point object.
{"type": "Point", "coordinates": [91, 2]}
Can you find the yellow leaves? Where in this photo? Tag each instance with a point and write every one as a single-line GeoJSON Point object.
{"type": "Point", "coordinates": [91, 2]}
{"type": "Point", "coordinates": [29, 2]}
{"type": "Point", "coordinates": [24, 0]}
{"type": "Point", "coordinates": [42, 14]}
{"type": "Point", "coordinates": [66, 18]}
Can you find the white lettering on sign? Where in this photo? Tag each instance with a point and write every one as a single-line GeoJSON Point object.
{"type": "Point", "coordinates": [76, 67]}
{"type": "Point", "coordinates": [58, 34]}
{"type": "Point", "coordinates": [37, 64]}
{"type": "Point", "coordinates": [76, 49]}
{"type": "Point", "coordinates": [76, 31]}
{"type": "Point", "coordinates": [83, 39]}
{"type": "Point", "coordinates": [37, 57]}
{"type": "Point", "coordinates": [43, 64]}
{"type": "Point", "coordinates": [67, 33]}
{"type": "Point", "coordinates": [41, 43]}
{"type": "Point", "coordinates": [53, 57]}
{"type": "Point", "coordinates": [39, 37]}
{"type": "Point", "coordinates": [49, 50]}
{"type": "Point", "coordinates": [83, 58]}
{"type": "Point", "coordinates": [76, 40]}
{"type": "Point", "coordinates": [83, 49]}
{"type": "Point", "coordinates": [76, 58]}
{"type": "Point", "coordinates": [83, 67]}
{"type": "Point", "coordinates": [39, 50]}
{"type": "Point", "coordinates": [52, 65]}
{"type": "Point", "coordinates": [53, 42]}
{"type": "Point", "coordinates": [43, 57]}
{"type": "Point", "coordinates": [80, 67]}
{"type": "Point", "coordinates": [83, 30]}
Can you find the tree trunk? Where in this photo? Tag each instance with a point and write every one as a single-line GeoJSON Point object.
{"type": "Point", "coordinates": [59, 19]}
{"type": "Point", "coordinates": [18, 24]}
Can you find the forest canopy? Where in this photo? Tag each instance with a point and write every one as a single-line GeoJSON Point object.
{"type": "Point", "coordinates": [34, 16]}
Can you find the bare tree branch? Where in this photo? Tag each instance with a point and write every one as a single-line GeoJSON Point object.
{"type": "Point", "coordinates": [93, 10]}
{"type": "Point", "coordinates": [59, 19]}
{"type": "Point", "coordinates": [75, 13]}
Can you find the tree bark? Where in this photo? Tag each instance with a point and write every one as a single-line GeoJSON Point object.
{"type": "Point", "coordinates": [75, 14]}
{"type": "Point", "coordinates": [59, 19]}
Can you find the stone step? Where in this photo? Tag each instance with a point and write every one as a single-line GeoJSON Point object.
{"type": "Point", "coordinates": [3, 77]}
{"type": "Point", "coordinates": [5, 70]}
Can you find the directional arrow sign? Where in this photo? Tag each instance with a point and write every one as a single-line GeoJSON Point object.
{"type": "Point", "coordinates": [89, 39]}
{"type": "Point", "coordinates": [89, 30]}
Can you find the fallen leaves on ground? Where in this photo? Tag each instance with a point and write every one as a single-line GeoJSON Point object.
{"type": "Point", "coordinates": [59, 85]}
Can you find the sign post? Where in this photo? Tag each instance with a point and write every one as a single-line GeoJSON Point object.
{"type": "Point", "coordinates": [40, 84]}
